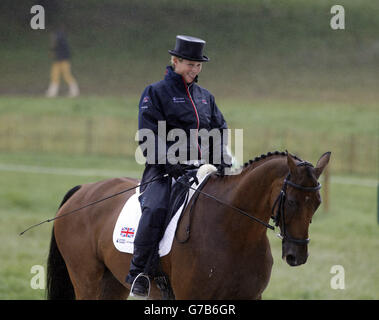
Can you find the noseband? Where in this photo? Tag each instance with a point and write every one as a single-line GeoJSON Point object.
{"type": "Point", "coordinates": [279, 203]}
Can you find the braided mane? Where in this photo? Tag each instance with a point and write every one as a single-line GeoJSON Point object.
{"type": "Point", "coordinates": [257, 161]}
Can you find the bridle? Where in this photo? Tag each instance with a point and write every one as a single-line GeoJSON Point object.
{"type": "Point", "coordinates": [280, 201]}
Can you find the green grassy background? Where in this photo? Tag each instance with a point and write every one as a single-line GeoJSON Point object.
{"type": "Point", "coordinates": [346, 235]}
{"type": "Point", "coordinates": [278, 72]}
{"type": "Point", "coordinates": [107, 126]}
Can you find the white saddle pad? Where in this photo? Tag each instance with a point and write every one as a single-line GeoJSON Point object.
{"type": "Point", "coordinates": [126, 226]}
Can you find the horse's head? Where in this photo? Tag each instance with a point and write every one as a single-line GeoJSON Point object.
{"type": "Point", "coordinates": [295, 206]}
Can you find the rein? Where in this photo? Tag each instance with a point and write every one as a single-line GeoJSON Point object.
{"type": "Point", "coordinates": [230, 206]}
{"type": "Point", "coordinates": [279, 202]}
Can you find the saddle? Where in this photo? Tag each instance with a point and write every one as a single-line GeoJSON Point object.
{"type": "Point", "coordinates": [126, 226]}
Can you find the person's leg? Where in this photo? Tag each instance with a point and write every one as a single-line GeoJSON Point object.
{"type": "Point", "coordinates": [154, 203]}
{"type": "Point", "coordinates": [53, 88]}
{"type": "Point", "coordinates": [69, 78]}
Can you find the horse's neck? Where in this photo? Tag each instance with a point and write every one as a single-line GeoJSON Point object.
{"type": "Point", "coordinates": [255, 188]}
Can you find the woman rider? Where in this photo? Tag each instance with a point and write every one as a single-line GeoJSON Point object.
{"type": "Point", "coordinates": [178, 103]}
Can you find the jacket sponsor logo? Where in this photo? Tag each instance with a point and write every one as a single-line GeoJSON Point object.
{"type": "Point", "coordinates": [145, 102]}
{"type": "Point", "coordinates": [178, 100]}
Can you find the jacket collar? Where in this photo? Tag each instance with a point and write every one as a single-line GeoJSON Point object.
{"type": "Point", "coordinates": [171, 75]}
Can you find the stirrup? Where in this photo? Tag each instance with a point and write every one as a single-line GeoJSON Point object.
{"type": "Point", "coordinates": [132, 287]}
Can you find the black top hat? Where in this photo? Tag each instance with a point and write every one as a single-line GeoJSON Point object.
{"type": "Point", "coordinates": [189, 48]}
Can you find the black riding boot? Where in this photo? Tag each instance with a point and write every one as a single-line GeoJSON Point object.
{"type": "Point", "coordinates": [141, 257]}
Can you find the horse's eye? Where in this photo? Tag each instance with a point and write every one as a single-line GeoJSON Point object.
{"type": "Point", "coordinates": [291, 203]}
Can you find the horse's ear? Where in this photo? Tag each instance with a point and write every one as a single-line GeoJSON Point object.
{"type": "Point", "coordinates": [291, 164]}
{"type": "Point", "coordinates": [322, 163]}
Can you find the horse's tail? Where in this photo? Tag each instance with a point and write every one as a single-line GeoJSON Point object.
{"type": "Point", "coordinates": [59, 286]}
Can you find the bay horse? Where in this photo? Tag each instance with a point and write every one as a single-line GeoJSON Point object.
{"type": "Point", "coordinates": [227, 255]}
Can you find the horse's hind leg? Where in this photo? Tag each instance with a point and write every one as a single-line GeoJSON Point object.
{"type": "Point", "coordinates": [111, 288]}
{"type": "Point", "coordinates": [95, 282]}
{"type": "Point", "coordinates": [87, 279]}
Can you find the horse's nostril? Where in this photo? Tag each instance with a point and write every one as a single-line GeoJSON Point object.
{"type": "Point", "coordinates": [291, 260]}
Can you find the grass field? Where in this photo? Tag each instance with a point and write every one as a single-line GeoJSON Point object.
{"type": "Point", "coordinates": [45, 152]}
{"type": "Point", "coordinates": [107, 126]}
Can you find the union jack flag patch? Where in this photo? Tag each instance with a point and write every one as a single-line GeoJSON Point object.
{"type": "Point", "coordinates": [127, 232]}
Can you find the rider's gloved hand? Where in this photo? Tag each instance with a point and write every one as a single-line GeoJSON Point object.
{"type": "Point", "coordinates": [175, 170]}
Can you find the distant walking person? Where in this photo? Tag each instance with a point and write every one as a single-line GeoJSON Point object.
{"type": "Point", "coordinates": [61, 66]}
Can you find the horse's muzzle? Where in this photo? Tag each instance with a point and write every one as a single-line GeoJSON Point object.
{"type": "Point", "coordinates": [295, 255]}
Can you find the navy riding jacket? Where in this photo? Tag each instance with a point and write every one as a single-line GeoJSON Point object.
{"type": "Point", "coordinates": [180, 106]}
